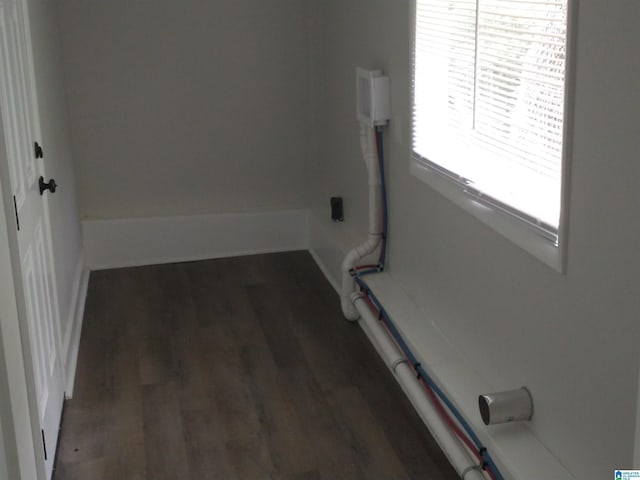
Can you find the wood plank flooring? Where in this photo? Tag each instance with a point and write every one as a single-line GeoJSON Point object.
{"type": "Point", "coordinates": [237, 368]}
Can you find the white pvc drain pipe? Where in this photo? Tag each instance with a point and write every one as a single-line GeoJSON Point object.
{"type": "Point", "coordinates": [370, 155]}
{"type": "Point", "coordinates": [462, 460]}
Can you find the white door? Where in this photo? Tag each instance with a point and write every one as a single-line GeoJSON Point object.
{"type": "Point", "coordinates": [21, 127]}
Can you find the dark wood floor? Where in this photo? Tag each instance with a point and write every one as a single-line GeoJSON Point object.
{"type": "Point", "coordinates": [239, 368]}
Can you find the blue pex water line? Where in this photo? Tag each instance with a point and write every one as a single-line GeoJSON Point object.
{"type": "Point", "coordinates": [423, 374]}
{"type": "Point", "coordinates": [383, 185]}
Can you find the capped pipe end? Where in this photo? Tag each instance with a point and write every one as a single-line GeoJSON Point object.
{"type": "Point", "coordinates": [504, 407]}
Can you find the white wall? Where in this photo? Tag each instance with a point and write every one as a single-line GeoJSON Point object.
{"type": "Point", "coordinates": [181, 108]}
{"type": "Point", "coordinates": [571, 339]}
{"type": "Point", "coordinates": [4, 411]}
{"type": "Point", "coordinates": [63, 209]}
{"type": "Point", "coordinates": [4, 474]}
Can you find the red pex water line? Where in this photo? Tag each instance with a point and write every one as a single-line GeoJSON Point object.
{"type": "Point", "coordinates": [437, 404]}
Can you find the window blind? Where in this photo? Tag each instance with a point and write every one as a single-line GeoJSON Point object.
{"type": "Point", "coordinates": [488, 91]}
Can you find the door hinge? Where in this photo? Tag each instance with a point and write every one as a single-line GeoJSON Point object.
{"type": "Point", "coordinates": [15, 209]}
{"type": "Point", "coordinates": [44, 445]}
{"type": "Point", "coordinates": [37, 150]}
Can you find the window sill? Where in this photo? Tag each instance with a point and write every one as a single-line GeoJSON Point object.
{"type": "Point", "coordinates": [510, 228]}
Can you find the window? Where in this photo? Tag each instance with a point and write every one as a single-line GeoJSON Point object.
{"type": "Point", "coordinates": [489, 83]}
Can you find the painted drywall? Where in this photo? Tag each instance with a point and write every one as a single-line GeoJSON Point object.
{"type": "Point", "coordinates": [572, 339]}
{"type": "Point", "coordinates": [636, 444]}
{"type": "Point", "coordinates": [7, 437]}
{"type": "Point", "coordinates": [3, 463]}
{"type": "Point", "coordinates": [4, 473]}
{"type": "Point", "coordinates": [55, 139]}
{"type": "Point", "coordinates": [195, 107]}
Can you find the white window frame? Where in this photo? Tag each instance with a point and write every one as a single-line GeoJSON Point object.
{"type": "Point", "coordinates": [517, 231]}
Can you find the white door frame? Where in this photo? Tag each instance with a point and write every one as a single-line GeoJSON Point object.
{"type": "Point", "coordinates": [22, 437]}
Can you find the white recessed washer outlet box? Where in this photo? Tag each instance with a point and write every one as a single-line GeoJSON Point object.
{"type": "Point", "coordinates": [372, 96]}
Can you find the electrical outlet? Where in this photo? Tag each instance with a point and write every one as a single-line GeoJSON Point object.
{"type": "Point", "coordinates": [337, 212]}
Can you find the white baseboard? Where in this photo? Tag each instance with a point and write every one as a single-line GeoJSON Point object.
{"type": "Point", "coordinates": [147, 241]}
{"type": "Point", "coordinates": [71, 341]}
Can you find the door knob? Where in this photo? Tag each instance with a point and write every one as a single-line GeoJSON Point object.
{"type": "Point", "coordinates": [50, 185]}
